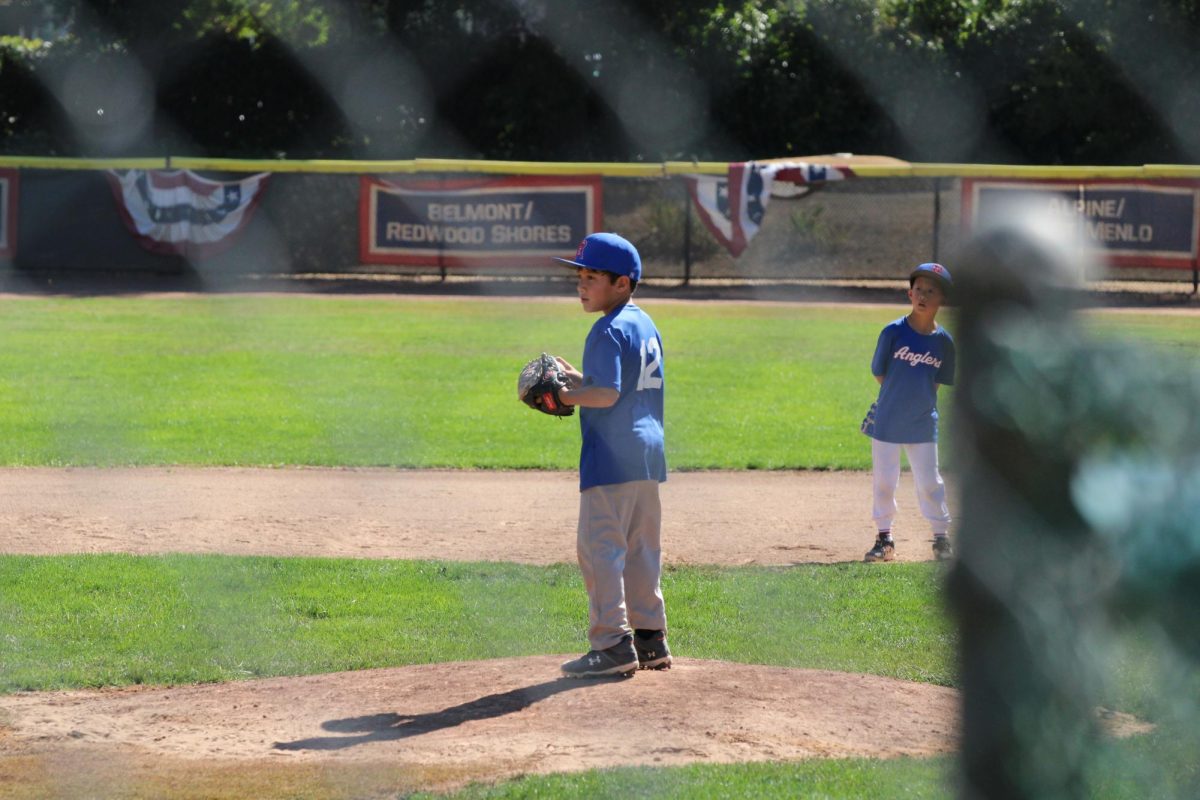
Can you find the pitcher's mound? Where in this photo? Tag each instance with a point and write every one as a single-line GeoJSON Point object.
{"type": "Point", "coordinates": [488, 720]}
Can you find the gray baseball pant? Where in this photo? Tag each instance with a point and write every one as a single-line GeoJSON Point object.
{"type": "Point", "coordinates": [620, 556]}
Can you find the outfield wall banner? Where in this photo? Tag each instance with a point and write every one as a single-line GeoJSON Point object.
{"type": "Point", "coordinates": [8, 212]}
{"type": "Point", "coordinates": [178, 212]}
{"type": "Point", "coordinates": [511, 221]}
{"type": "Point", "coordinates": [1151, 223]}
{"type": "Point", "coordinates": [732, 206]}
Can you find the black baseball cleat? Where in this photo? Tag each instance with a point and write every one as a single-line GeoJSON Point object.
{"type": "Point", "coordinates": [620, 659]}
{"type": "Point", "coordinates": [884, 550]}
{"type": "Point", "coordinates": [942, 550]}
{"type": "Point", "coordinates": [652, 650]}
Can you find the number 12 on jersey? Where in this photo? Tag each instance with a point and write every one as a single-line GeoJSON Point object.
{"type": "Point", "coordinates": [647, 378]}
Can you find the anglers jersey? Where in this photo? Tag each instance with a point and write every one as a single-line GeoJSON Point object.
{"type": "Point", "coordinates": [623, 442]}
{"type": "Point", "coordinates": [911, 364]}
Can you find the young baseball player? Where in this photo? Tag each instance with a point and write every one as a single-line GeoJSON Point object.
{"type": "Point", "coordinates": [619, 394]}
{"type": "Point", "coordinates": [913, 357]}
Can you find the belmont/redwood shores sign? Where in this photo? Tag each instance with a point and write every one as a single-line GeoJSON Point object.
{"type": "Point", "coordinates": [1151, 223]}
{"type": "Point", "coordinates": [496, 221]}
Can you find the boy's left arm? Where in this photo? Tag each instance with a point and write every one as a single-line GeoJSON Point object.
{"type": "Point", "coordinates": [590, 396]}
{"type": "Point", "coordinates": [576, 394]}
{"type": "Point", "coordinates": [599, 382]}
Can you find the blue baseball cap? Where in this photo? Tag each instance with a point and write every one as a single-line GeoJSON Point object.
{"type": "Point", "coordinates": [935, 271]}
{"type": "Point", "coordinates": [607, 252]}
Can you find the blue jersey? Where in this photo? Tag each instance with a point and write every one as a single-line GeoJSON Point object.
{"type": "Point", "coordinates": [912, 364]}
{"type": "Point", "coordinates": [623, 442]}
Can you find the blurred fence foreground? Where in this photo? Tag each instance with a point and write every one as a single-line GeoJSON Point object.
{"type": "Point", "coordinates": [1079, 569]}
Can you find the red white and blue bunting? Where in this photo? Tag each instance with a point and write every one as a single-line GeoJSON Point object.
{"type": "Point", "coordinates": [732, 206]}
{"type": "Point", "coordinates": [177, 212]}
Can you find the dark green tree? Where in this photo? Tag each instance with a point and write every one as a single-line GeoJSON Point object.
{"type": "Point", "coordinates": [1034, 81]}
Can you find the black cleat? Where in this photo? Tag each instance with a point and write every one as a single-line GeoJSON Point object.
{"type": "Point", "coordinates": [652, 651]}
{"type": "Point", "coordinates": [884, 550]}
{"type": "Point", "coordinates": [620, 659]}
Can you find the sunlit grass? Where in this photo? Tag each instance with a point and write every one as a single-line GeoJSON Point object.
{"type": "Point", "coordinates": [236, 380]}
{"type": "Point", "coordinates": [85, 621]}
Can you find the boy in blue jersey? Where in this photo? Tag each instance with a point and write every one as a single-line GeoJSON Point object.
{"type": "Point", "coordinates": [619, 393]}
{"type": "Point", "coordinates": [913, 357]}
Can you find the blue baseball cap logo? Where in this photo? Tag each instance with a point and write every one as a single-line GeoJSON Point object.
{"type": "Point", "coordinates": [607, 252]}
{"type": "Point", "coordinates": [931, 270]}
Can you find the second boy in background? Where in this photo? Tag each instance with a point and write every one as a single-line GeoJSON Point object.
{"type": "Point", "coordinates": [913, 357]}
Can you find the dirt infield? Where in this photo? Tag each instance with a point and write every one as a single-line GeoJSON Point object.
{"type": "Point", "coordinates": [436, 727]}
{"type": "Point", "coordinates": [385, 732]}
{"type": "Point", "coordinates": [776, 518]}
{"type": "Point", "coordinates": [494, 719]}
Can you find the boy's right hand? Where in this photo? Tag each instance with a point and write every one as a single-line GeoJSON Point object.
{"type": "Point", "coordinates": [574, 377]}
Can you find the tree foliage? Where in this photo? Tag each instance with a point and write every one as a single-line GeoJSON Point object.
{"type": "Point", "coordinates": [1033, 81]}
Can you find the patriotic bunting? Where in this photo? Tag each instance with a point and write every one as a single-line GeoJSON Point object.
{"type": "Point", "coordinates": [178, 212]}
{"type": "Point", "coordinates": [732, 206]}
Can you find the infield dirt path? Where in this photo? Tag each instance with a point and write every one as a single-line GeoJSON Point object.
{"type": "Point", "coordinates": [776, 518]}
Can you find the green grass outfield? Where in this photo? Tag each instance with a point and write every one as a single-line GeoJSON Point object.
{"type": "Point", "coordinates": [413, 383]}
{"type": "Point", "coordinates": [271, 380]}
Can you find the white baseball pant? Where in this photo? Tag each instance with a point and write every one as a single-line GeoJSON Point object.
{"type": "Point", "coordinates": [931, 491]}
{"type": "Point", "coordinates": [620, 556]}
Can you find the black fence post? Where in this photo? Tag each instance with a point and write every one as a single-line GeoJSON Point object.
{"type": "Point", "coordinates": [937, 215]}
{"type": "Point", "coordinates": [687, 234]}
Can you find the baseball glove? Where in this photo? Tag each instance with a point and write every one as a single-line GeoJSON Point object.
{"type": "Point", "coordinates": [868, 423]}
{"type": "Point", "coordinates": [539, 384]}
